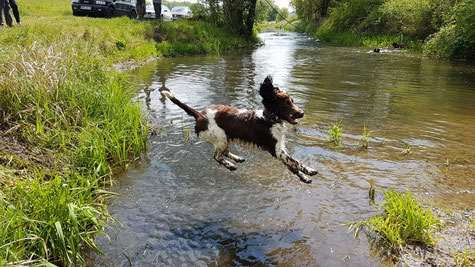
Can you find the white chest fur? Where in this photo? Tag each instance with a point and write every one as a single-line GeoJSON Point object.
{"type": "Point", "coordinates": [278, 132]}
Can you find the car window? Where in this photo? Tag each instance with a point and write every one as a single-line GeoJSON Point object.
{"type": "Point", "coordinates": [179, 9]}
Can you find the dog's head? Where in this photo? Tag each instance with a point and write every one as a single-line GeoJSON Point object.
{"type": "Point", "coordinates": [279, 102]}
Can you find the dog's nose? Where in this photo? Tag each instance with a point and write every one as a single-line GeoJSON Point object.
{"type": "Point", "coordinates": [299, 114]}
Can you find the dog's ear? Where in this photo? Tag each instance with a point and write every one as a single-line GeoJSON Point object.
{"type": "Point", "coordinates": [267, 89]}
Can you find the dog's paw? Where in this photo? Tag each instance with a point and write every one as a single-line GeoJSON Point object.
{"type": "Point", "coordinates": [239, 159]}
{"type": "Point", "coordinates": [309, 171]}
{"type": "Point", "coordinates": [312, 172]}
{"type": "Point", "coordinates": [304, 178]}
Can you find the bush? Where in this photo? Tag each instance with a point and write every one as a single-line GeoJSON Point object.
{"type": "Point", "coordinates": [457, 38]}
{"type": "Point", "coordinates": [412, 18]}
{"type": "Point", "coordinates": [355, 15]}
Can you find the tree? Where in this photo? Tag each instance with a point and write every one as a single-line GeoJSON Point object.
{"type": "Point", "coordinates": [312, 10]}
{"type": "Point", "coordinates": [240, 15]}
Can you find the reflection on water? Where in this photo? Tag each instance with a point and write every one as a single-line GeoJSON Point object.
{"type": "Point", "coordinates": [179, 207]}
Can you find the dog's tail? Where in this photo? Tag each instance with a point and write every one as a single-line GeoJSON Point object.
{"type": "Point", "coordinates": [182, 105]}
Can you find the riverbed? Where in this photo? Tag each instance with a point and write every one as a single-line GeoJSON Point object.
{"type": "Point", "coordinates": [178, 207]}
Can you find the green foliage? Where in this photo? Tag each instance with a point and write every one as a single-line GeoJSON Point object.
{"type": "Point", "coordinates": [456, 39]}
{"type": "Point", "coordinates": [121, 45]}
{"type": "Point", "coordinates": [335, 132]}
{"type": "Point", "coordinates": [59, 96]}
{"type": "Point", "coordinates": [403, 221]}
{"type": "Point", "coordinates": [61, 99]}
{"type": "Point", "coordinates": [49, 221]}
{"type": "Point", "coordinates": [446, 26]}
{"type": "Point", "coordinates": [465, 258]}
{"type": "Point", "coordinates": [412, 18]}
{"type": "Point", "coordinates": [355, 16]}
{"type": "Point", "coordinates": [262, 11]}
{"type": "Point", "coordinates": [186, 38]}
{"type": "Point", "coordinates": [312, 10]}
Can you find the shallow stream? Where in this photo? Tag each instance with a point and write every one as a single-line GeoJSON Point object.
{"type": "Point", "coordinates": [181, 208]}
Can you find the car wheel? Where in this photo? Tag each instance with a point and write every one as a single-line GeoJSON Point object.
{"type": "Point", "coordinates": [110, 12]}
{"type": "Point", "coordinates": [133, 14]}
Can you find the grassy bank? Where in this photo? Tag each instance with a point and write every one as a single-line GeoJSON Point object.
{"type": "Point", "coordinates": [68, 121]}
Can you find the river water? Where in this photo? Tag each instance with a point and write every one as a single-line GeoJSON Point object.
{"type": "Point", "coordinates": [178, 207]}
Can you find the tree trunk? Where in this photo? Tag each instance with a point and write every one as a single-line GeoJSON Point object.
{"type": "Point", "coordinates": [251, 16]}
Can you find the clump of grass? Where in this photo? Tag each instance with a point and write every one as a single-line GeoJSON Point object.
{"type": "Point", "coordinates": [335, 132]}
{"type": "Point", "coordinates": [365, 138]}
{"type": "Point", "coordinates": [403, 221]}
{"type": "Point", "coordinates": [465, 258]}
{"type": "Point", "coordinates": [50, 221]}
{"type": "Point", "coordinates": [407, 151]}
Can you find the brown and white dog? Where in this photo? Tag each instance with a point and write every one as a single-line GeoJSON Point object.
{"type": "Point", "coordinates": [265, 129]}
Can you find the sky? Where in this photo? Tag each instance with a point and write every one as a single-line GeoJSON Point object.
{"type": "Point", "coordinates": [282, 3]}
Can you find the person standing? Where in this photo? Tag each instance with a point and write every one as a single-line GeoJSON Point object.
{"type": "Point", "coordinates": [15, 11]}
{"type": "Point", "coordinates": [141, 8]}
{"type": "Point", "coordinates": [157, 5]}
{"type": "Point", "coordinates": [5, 9]}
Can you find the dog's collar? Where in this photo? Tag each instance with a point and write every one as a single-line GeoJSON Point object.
{"type": "Point", "coordinates": [271, 117]}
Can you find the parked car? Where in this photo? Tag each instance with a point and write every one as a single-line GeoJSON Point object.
{"type": "Point", "coordinates": [150, 11]}
{"type": "Point", "coordinates": [166, 14]}
{"type": "Point", "coordinates": [104, 8]}
{"type": "Point", "coordinates": [180, 12]}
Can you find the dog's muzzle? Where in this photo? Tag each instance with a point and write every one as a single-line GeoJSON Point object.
{"type": "Point", "coordinates": [293, 119]}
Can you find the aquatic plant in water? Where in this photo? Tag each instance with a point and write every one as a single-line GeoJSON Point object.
{"type": "Point", "coordinates": [336, 134]}
{"type": "Point", "coordinates": [372, 190]}
{"type": "Point", "coordinates": [407, 151]}
{"type": "Point", "coordinates": [365, 138]}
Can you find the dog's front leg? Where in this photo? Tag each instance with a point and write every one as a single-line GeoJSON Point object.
{"type": "Point", "coordinates": [296, 167]}
{"type": "Point", "coordinates": [295, 164]}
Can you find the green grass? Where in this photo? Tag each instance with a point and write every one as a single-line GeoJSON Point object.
{"type": "Point", "coordinates": [403, 221]}
{"type": "Point", "coordinates": [465, 258]}
{"type": "Point", "coordinates": [68, 121]}
{"type": "Point", "coordinates": [67, 106]}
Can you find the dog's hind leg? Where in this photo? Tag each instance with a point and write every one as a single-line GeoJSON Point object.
{"type": "Point", "coordinates": [218, 156]}
{"type": "Point", "coordinates": [234, 157]}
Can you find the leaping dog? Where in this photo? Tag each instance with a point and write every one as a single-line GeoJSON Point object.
{"type": "Point", "coordinates": [220, 125]}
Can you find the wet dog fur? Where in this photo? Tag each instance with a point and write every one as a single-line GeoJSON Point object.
{"type": "Point", "coordinates": [220, 125]}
